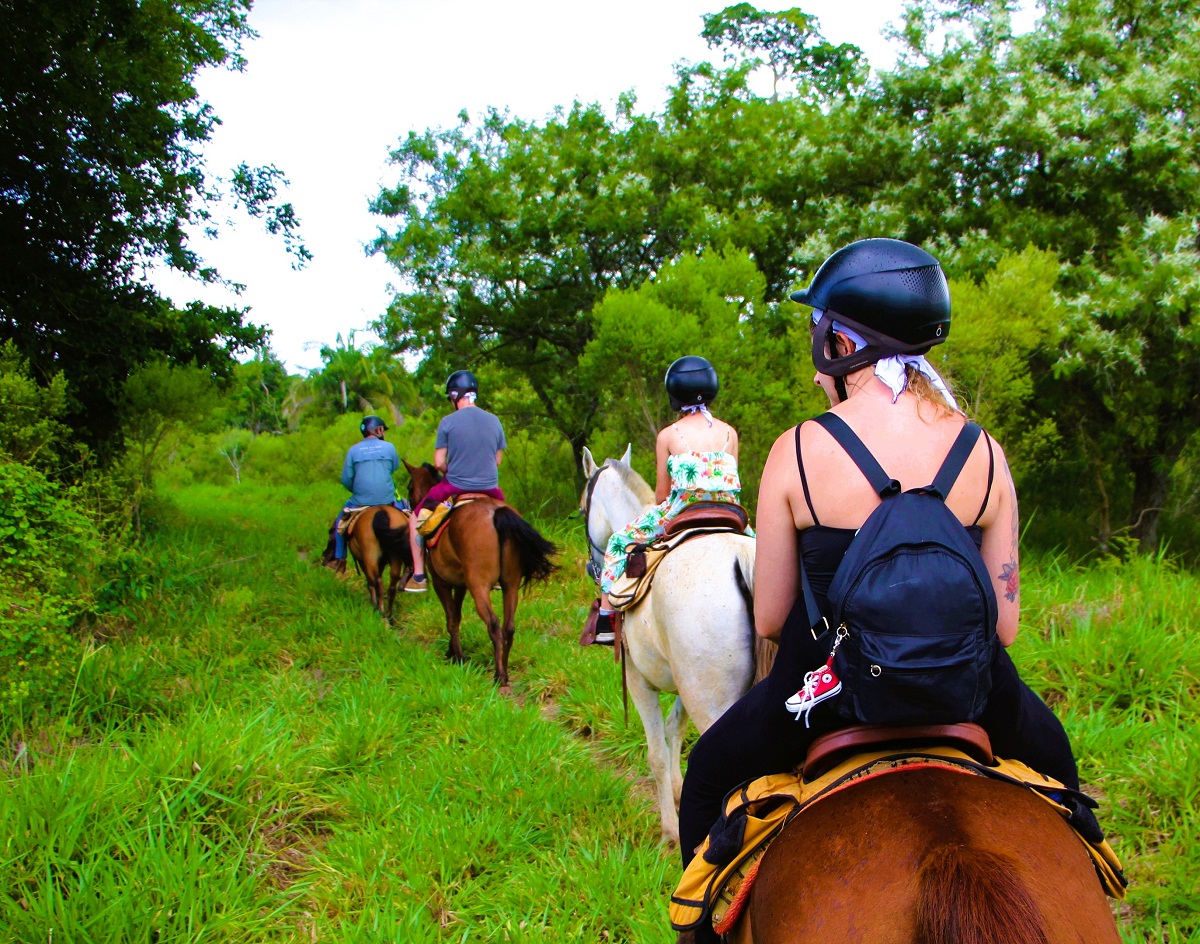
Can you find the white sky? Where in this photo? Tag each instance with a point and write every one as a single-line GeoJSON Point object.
{"type": "Point", "coordinates": [331, 85]}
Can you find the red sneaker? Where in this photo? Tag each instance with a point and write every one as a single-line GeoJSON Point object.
{"type": "Point", "coordinates": [819, 685]}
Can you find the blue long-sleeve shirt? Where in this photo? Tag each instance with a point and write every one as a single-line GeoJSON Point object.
{"type": "Point", "coordinates": [367, 472]}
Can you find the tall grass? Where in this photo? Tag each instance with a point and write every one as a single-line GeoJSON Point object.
{"type": "Point", "coordinates": [252, 755]}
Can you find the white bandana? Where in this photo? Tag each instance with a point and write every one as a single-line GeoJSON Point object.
{"type": "Point", "coordinates": [891, 369]}
{"type": "Point", "coordinates": [698, 408]}
{"type": "Point", "coordinates": [466, 398]}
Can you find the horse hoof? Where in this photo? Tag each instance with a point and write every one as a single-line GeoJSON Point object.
{"type": "Point", "coordinates": [506, 690]}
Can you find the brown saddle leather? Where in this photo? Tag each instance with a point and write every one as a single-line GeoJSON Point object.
{"type": "Point", "coordinates": [465, 497]}
{"type": "Point", "coordinates": [831, 748]}
{"type": "Point", "coordinates": [727, 515]}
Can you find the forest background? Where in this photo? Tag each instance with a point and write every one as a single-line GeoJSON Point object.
{"type": "Point", "coordinates": [568, 261]}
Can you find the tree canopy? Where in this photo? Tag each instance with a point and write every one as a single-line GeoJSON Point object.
{"type": "Point", "coordinates": [101, 175]}
{"type": "Point", "coordinates": [1065, 157]}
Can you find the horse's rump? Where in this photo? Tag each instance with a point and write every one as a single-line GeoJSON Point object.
{"type": "Point", "coordinates": [929, 856]}
{"type": "Point", "coordinates": [392, 537]}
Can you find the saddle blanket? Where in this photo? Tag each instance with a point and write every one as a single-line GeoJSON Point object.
{"type": "Point", "coordinates": [629, 589]}
{"type": "Point", "coordinates": [351, 515]}
{"type": "Point", "coordinates": [766, 805]}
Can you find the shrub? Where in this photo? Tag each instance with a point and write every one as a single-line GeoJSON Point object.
{"type": "Point", "coordinates": [49, 552]}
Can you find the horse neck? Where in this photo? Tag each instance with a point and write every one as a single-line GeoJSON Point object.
{"type": "Point", "coordinates": [615, 505]}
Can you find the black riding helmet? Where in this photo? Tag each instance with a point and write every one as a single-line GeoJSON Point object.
{"type": "Point", "coordinates": [891, 292]}
{"type": "Point", "coordinates": [691, 380]}
{"type": "Point", "coordinates": [460, 382]}
{"type": "Point", "coordinates": [371, 423]}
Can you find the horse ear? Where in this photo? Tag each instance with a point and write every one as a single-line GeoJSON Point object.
{"type": "Point", "coordinates": [411, 470]}
{"type": "Point", "coordinates": [628, 453]}
{"type": "Point", "coordinates": [589, 463]}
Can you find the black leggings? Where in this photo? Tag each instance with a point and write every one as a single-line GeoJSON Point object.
{"type": "Point", "coordinates": [758, 736]}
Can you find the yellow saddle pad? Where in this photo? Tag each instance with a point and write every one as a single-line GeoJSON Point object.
{"type": "Point", "coordinates": [769, 803]}
{"type": "Point", "coordinates": [430, 519]}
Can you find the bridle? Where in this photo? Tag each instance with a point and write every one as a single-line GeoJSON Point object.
{"type": "Point", "coordinates": [595, 562]}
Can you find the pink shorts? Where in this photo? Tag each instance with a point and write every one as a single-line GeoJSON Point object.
{"type": "Point", "coordinates": [443, 490]}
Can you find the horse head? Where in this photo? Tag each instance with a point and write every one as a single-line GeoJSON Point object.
{"type": "Point", "coordinates": [610, 501]}
{"type": "Point", "coordinates": [421, 478]}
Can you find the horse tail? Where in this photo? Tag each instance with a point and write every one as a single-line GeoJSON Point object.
{"type": "Point", "coordinates": [974, 896]}
{"type": "Point", "coordinates": [394, 541]}
{"type": "Point", "coordinates": [764, 649]}
{"type": "Point", "coordinates": [533, 550]}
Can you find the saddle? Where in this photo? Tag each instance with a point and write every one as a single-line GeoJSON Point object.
{"type": "Point", "coordinates": [351, 515]}
{"type": "Point", "coordinates": [716, 884]}
{"type": "Point", "coordinates": [725, 516]}
{"type": "Point", "coordinates": [432, 522]}
{"type": "Point", "coordinates": [643, 560]}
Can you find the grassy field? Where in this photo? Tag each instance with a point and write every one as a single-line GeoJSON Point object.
{"type": "Point", "coordinates": [251, 754]}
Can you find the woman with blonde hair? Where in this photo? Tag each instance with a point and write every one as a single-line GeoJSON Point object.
{"type": "Point", "coordinates": [878, 306]}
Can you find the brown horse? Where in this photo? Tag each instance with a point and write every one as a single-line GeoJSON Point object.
{"type": "Point", "coordinates": [485, 544]}
{"type": "Point", "coordinates": [927, 856]}
{"type": "Point", "coordinates": [378, 536]}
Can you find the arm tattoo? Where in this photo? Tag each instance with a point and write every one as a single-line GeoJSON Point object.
{"type": "Point", "coordinates": [1009, 572]}
{"type": "Point", "coordinates": [1012, 580]}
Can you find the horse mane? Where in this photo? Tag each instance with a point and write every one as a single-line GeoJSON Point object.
{"type": "Point", "coordinates": [634, 482]}
{"type": "Point", "coordinates": [433, 472]}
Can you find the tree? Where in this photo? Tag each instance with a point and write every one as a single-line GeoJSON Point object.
{"type": "Point", "coordinates": [713, 305]}
{"type": "Point", "coordinates": [101, 175]}
{"type": "Point", "coordinates": [367, 378]}
{"type": "Point", "coordinates": [234, 447]}
{"type": "Point", "coordinates": [1078, 138]}
{"type": "Point", "coordinates": [158, 399]}
{"type": "Point", "coordinates": [257, 392]}
{"type": "Point", "coordinates": [792, 46]}
{"type": "Point", "coordinates": [31, 427]}
{"type": "Point", "coordinates": [510, 232]}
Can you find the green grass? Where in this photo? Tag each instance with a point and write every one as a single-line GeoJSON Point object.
{"type": "Point", "coordinates": [252, 755]}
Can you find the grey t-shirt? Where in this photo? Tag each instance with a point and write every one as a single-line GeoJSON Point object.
{"type": "Point", "coordinates": [471, 438]}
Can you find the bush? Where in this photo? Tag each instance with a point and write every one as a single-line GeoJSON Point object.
{"type": "Point", "coordinates": [49, 554]}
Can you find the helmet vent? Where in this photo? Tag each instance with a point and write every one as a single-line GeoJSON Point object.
{"type": "Point", "coordinates": [922, 280]}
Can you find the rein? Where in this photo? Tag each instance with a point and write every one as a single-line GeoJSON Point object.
{"type": "Point", "coordinates": [593, 566]}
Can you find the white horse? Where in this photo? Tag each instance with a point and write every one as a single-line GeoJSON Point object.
{"type": "Point", "coordinates": [693, 634]}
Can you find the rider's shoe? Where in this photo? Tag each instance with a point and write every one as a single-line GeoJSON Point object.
{"type": "Point", "coordinates": [819, 685]}
{"type": "Point", "coordinates": [605, 636]}
{"type": "Point", "coordinates": [416, 584]}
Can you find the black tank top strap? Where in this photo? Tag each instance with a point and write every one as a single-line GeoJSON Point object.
{"type": "Point", "coordinates": [955, 459]}
{"type": "Point", "coordinates": [991, 478]}
{"type": "Point", "coordinates": [859, 454]}
{"type": "Point", "coordinates": [804, 478]}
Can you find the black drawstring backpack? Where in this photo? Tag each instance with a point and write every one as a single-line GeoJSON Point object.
{"type": "Point", "coordinates": [915, 599]}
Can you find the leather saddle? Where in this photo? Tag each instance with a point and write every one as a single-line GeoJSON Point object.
{"type": "Point", "coordinates": [829, 749]}
{"type": "Point", "coordinates": [726, 515]}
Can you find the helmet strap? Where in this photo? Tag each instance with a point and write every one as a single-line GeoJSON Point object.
{"type": "Point", "coordinates": [839, 386]}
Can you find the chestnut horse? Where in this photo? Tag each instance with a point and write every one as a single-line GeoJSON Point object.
{"type": "Point", "coordinates": [485, 544]}
{"type": "Point", "coordinates": [378, 536]}
{"type": "Point", "coordinates": [927, 856]}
